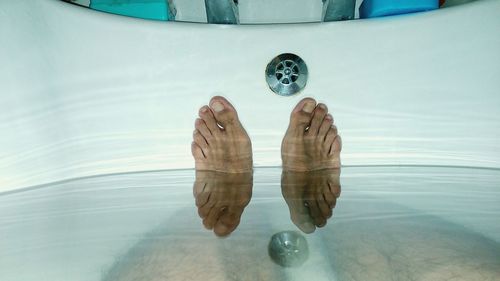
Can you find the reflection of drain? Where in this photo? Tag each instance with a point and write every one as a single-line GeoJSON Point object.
{"type": "Point", "coordinates": [288, 249]}
{"type": "Point", "coordinates": [286, 74]}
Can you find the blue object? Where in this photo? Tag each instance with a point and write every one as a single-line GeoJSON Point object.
{"type": "Point", "coordinates": [146, 9]}
{"type": "Point", "coordinates": [380, 8]}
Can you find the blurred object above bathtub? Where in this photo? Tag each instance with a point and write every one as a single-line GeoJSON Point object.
{"type": "Point", "coordinates": [449, 3]}
{"type": "Point", "coordinates": [146, 9]}
{"type": "Point", "coordinates": [84, 3]}
{"type": "Point", "coordinates": [336, 10]}
{"type": "Point", "coordinates": [381, 8]}
{"type": "Point", "coordinates": [222, 11]}
{"type": "Point", "coordinates": [247, 11]}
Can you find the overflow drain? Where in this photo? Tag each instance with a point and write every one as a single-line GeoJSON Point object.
{"type": "Point", "coordinates": [286, 74]}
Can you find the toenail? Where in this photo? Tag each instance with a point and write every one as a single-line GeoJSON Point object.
{"type": "Point", "coordinates": [204, 109]}
{"type": "Point", "coordinates": [308, 107]}
{"type": "Point", "coordinates": [322, 106]}
{"type": "Point", "coordinates": [329, 117]}
{"type": "Point", "coordinates": [195, 132]}
{"type": "Point", "coordinates": [217, 106]}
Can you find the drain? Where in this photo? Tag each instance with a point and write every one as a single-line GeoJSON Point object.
{"type": "Point", "coordinates": [286, 74]}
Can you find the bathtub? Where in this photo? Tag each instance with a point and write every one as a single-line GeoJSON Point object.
{"type": "Point", "coordinates": [86, 93]}
{"type": "Point", "coordinates": [97, 112]}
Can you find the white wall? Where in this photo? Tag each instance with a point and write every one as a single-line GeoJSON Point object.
{"type": "Point", "coordinates": [85, 93]}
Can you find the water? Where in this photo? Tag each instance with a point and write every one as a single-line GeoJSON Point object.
{"type": "Point", "coordinates": [389, 223]}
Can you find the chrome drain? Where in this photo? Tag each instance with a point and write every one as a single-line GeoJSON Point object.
{"type": "Point", "coordinates": [286, 74]}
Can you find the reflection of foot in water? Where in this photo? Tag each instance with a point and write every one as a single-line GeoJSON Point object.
{"type": "Point", "coordinates": [311, 141]}
{"type": "Point", "coordinates": [220, 143]}
{"type": "Point", "coordinates": [370, 239]}
{"type": "Point", "coordinates": [221, 199]}
{"type": "Point", "coordinates": [310, 196]}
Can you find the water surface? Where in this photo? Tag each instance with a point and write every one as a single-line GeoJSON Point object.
{"type": "Point", "coordinates": [389, 223]}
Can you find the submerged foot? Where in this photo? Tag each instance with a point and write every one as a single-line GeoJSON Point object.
{"type": "Point", "coordinates": [221, 199]}
{"type": "Point", "coordinates": [220, 143]}
{"type": "Point", "coordinates": [311, 141]}
{"type": "Point", "coordinates": [310, 196]}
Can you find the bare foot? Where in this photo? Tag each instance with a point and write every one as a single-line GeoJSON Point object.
{"type": "Point", "coordinates": [221, 199]}
{"type": "Point", "coordinates": [311, 196]}
{"type": "Point", "coordinates": [220, 141]}
{"type": "Point", "coordinates": [311, 141]}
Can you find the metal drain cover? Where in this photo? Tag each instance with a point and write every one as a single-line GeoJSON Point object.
{"type": "Point", "coordinates": [286, 74]}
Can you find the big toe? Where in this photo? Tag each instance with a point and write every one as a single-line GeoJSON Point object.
{"type": "Point", "coordinates": [317, 119]}
{"type": "Point", "coordinates": [228, 222]}
{"type": "Point", "coordinates": [300, 216]}
{"type": "Point", "coordinates": [304, 224]}
{"type": "Point", "coordinates": [302, 113]}
{"type": "Point", "coordinates": [224, 112]}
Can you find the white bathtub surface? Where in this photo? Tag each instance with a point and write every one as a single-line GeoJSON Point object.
{"type": "Point", "coordinates": [85, 93]}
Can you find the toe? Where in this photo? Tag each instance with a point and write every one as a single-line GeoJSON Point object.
{"type": "Point", "coordinates": [306, 105]}
{"type": "Point", "coordinates": [336, 146]}
{"type": "Point", "coordinates": [228, 221]}
{"type": "Point", "coordinates": [204, 210]}
{"type": "Point", "coordinates": [302, 114]}
{"type": "Point", "coordinates": [212, 217]}
{"type": "Point", "coordinates": [224, 112]}
{"type": "Point", "coordinates": [325, 126]}
{"type": "Point", "coordinates": [197, 151]}
{"type": "Point", "coordinates": [304, 223]}
{"type": "Point", "coordinates": [299, 214]}
{"type": "Point", "coordinates": [201, 199]}
{"type": "Point", "coordinates": [198, 188]}
{"type": "Point", "coordinates": [208, 117]}
{"type": "Point", "coordinates": [315, 213]}
{"type": "Point", "coordinates": [330, 199]}
{"type": "Point", "coordinates": [326, 211]}
{"type": "Point", "coordinates": [329, 139]}
{"type": "Point", "coordinates": [199, 139]}
{"type": "Point", "coordinates": [335, 188]}
{"type": "Point", "coordinates": [318, 116]}
{"type": "Point", "coordinates": [200, 125]}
